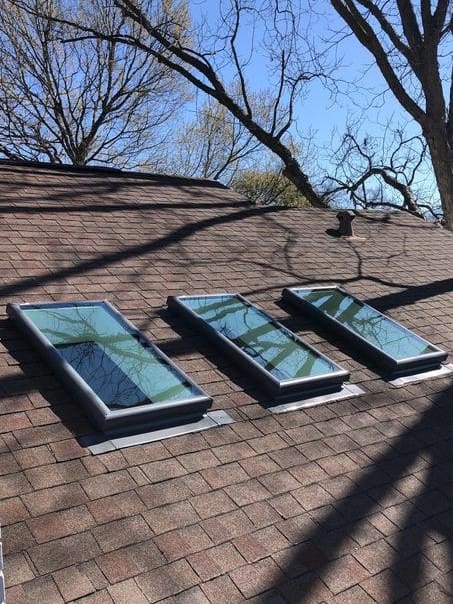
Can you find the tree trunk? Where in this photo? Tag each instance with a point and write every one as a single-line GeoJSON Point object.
{"type": "Point", "coordinates": [292, 171]}
{"type": "Point", "coordinates": [442, 162]}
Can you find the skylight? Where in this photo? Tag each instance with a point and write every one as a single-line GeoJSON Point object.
{"type": "Point", "coordinates": [121, 377]}
{"type": "Point", "coordinates": [393, 346]}
{"type": "Point", "coordinates": [282, 361]}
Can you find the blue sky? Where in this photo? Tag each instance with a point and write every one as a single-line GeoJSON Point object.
{"type": "Point", "coordinates": [325, 116]}
{"type": "Point", "coordinates": [318, 109]}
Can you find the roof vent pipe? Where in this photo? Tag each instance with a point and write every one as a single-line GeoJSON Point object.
{"type": "Point", "coordinates": [345, 218]}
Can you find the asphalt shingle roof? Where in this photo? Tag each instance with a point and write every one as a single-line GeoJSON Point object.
{"type": "Point", "coordinates": [341, 503]}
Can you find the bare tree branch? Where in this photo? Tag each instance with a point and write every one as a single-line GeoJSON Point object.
{"type": "Point", "coordinates": [214, 145]}
{"type": "Point", "coordinates": [361, 173]}
{"type": "Point", "coordinates": [173, 47]}
{"type": "Point", "coordinates": [411, 43]}
{"type": "Point", "coordinates": [85, 100]}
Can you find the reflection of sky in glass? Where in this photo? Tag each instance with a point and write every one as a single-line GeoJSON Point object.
{"type": "Point", "coordinates": [120, 370]}
{"type": "Point", "coordinates": [396, 341]}
{"type": "Point", "coordinates": [256, 334]}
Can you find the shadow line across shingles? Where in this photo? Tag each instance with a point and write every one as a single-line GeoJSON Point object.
{"type": "Point", "coordinates": [347, 502]}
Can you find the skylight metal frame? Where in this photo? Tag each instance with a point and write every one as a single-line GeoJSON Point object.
{"type": "Point", "coordinates": [134, 418]}
{"type": "Point", "coordinates": [396, 367]}
{"type": "Point", "coordinates": [295, 387]}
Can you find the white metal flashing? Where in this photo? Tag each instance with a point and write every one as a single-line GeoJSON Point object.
{"type": "Point", "coordinates": [2, 577]}
{"type": "Point", "coordinates": [101, 443]}
{"type": "Point", "coordinates": [348, 391]}
{"type": "Point", "coordinates": [444, 370]}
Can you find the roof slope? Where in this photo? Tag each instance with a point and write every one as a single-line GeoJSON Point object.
{"type": "Point", "coordinates": [347, 502]}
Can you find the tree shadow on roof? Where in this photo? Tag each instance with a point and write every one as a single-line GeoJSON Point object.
{"type": "Point", "coordinates": [419, 463]}
{"type": "Point", "coordinates": [112, 258]}
{"type": "Point", "coordinates": [412, 294]}
{"type": "Point", "coordinates": [60, 194]}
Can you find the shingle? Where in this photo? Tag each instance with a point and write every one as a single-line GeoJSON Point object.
{"type": "Point", "coordinates": [173, 579]}
{"type": "Point", "coordinates": [130, 561]}
{"type": "Point", "coordinates": [19, 569]}
{"type": "Point", "coordinates": [257, 577]}
{"type": "Point", "coordinates": [59, 524]}
{"type": "Point", "coordinates": [12, 511]}
{"type": "Point", "coordinates": [107, 484]}
{"type": "Point", "coordinates": [120, 533]}
{"type": "Point", "coordinates": [64, 552]}
{"type": "Point", "coordinates": [340, 493]}
{"type": "Point", "coordinates": [171, 516]}
{"type": "Point", "coordinates": [72, 583]}
{"type": "Point", "coordinates": [53, 499]}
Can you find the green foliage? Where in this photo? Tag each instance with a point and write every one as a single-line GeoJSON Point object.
{"type": "Point", "coordinates": [269, 187]}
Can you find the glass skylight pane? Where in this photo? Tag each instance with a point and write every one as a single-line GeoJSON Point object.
{"type": "Point", "coordinates": [260, 338]}
{"type": "Point", "coordinates": [257, 334]}
{"type": "Point", "coordinates": [377, 330]}
{"type": "Point", "coordinates": [114, 363]}
{"type": "Point", "coordinates": [108, 357]}
{"type": "Point", "coordinates": [102, 374]}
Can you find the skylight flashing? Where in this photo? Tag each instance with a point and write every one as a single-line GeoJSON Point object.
{"type": "Point", "coordinates": [119, 351]}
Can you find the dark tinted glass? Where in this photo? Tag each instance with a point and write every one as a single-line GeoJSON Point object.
{"type": "Point", "coordinates": [380, 331]}
{"type": "Point", "coordinates": [258, 335]}
{"type": "Point", "coordinates": [122, 371]}
{"type": "Point", "coordinates": [102, 374]}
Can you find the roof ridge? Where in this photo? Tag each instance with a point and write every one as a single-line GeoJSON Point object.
{"type": "Point", "coordinates": [23, 163]}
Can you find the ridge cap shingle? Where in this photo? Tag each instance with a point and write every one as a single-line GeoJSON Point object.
{"type": "Point", "coordinates": [111, 171]}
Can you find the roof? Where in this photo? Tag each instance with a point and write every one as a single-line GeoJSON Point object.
{"type": "Point", "coordinates": [345, 502]}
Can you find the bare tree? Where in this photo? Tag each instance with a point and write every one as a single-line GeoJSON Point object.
{"type": "Point", "coordinates": [411, 43]}
{"type": "Point", "coordinates": [203, 56]}
{"type": "Point", "coordinates": [216, 145]}
{"type": "Point", "coordinates": [84, 100]}
{"type": "Point", "coordinates": [213, 145]}
{"type": "Point", "coordinates": [379, 173]}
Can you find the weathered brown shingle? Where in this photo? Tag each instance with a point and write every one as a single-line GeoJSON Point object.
{"type": "Point", "coordinates": [330, 504]}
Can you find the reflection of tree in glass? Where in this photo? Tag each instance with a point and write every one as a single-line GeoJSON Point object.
{"type": "Point", "coordinates": [260, 337]}
{"type": "Point", "coordinates": [121, 370]}
{"type": "Point", "coordinates": [103, 376]}
{"type": "Point", "coordinates": [377, 329]}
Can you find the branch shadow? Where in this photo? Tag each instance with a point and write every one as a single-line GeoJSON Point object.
{"type": "Point", "coordinates": [412, 294]}
{"type": "Point", "coordinates": [426, 513]}
{"type": "Point", "coordinates": [174, 237]}
{"type": "Point", "coordinates": [112, 185]}
{"type": "Point", "coordinates": [37, 377]}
